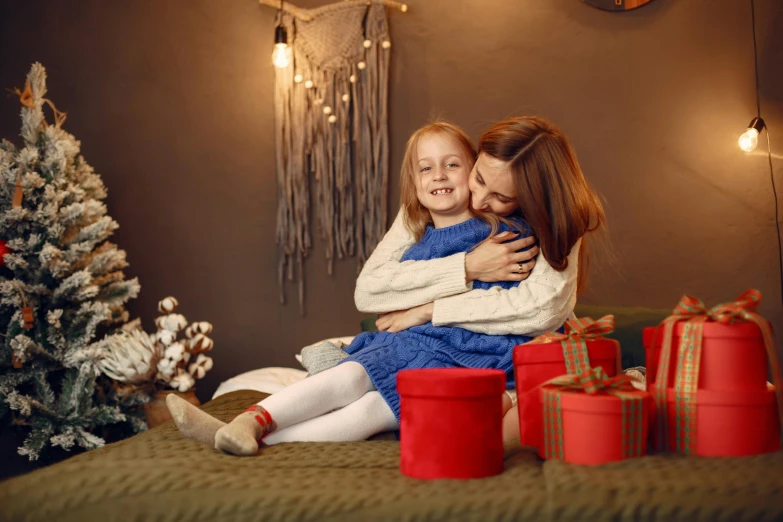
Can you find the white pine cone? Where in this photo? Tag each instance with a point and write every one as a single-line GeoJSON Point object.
{"type": "Point", "coordinates": [167, 305]}
{"type": "Point", "coordinates": [200, 368]}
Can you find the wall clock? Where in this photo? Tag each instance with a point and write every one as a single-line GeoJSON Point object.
{"type": "Point", "coordinates": [616, 5]}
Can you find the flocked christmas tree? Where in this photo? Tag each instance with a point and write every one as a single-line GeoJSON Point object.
{"type": "Point", "coordinates": [62, 289]}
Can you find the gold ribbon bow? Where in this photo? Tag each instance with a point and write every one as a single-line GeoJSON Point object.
{"type": "Point", "coordinates": [573, 341]}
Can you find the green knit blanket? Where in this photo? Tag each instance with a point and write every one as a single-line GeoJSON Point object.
{"type": "Point", "coordinates": [159, 476]}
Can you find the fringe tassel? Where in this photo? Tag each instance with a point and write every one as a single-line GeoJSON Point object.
{"type": "Point", "coordinates": [348, 157]}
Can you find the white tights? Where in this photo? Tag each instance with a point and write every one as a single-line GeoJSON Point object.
{"type": "Point", "coordinates": [338, 404]}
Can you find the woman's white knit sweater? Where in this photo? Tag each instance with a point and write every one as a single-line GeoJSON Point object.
{"type": "Point", "coordinates": [541, 303]}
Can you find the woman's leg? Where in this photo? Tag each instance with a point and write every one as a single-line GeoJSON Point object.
{"type": "Point", "coordinates": [359, 420]}
{"type": "Point", "coordinates": [302, 401]}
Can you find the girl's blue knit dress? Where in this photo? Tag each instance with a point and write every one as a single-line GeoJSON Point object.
{"type": "Point", "coordinates": [383, 354]}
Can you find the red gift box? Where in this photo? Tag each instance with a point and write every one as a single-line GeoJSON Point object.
{"type": "Point", "coordinates": [451, 422]}
{"type": "Point", "coordinates": [710, 387]}
{"type": "Point", "coordinates": [732, 358]}
{"type": "Point", "coordinates": [732, 424]}
{"type": "Point", "coordinates": [594, 419]}
{"type": "Point", "coordinates": [545, 358]}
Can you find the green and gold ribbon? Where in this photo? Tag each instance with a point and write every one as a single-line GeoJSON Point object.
{"type": "Point", "coordinates": [686, 381]}
{"type": "Point", "coordinates": [632, 404]}
{"type": "Point", "coordinates": [577, 331]}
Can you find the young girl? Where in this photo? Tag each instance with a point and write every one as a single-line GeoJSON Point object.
{"type": "Point", "coordinates": [358, 398]}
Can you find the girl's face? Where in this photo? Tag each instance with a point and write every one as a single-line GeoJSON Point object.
{"type": "Point", "coordinates": [441, 175]}
{"type": "Point", "coordinates": [491, 186]}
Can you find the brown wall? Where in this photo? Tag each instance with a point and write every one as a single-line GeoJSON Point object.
{"type": "Point", "coordinates": [172, 101]}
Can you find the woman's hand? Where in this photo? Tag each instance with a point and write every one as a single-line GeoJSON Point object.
{"type": "Point", "coordinates": [494, 261]}
{"type": "Point", "coordinates": [404, 319]}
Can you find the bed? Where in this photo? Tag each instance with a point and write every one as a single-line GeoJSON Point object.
{"type": "Point", "coordinates": [159, 476]}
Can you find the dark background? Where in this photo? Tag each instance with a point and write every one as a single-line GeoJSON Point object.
{"type": "Point", "coordinates": [172, 101]}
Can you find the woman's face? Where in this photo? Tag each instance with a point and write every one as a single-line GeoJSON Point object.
{"type": "Point", "coordinates": [491, 186]}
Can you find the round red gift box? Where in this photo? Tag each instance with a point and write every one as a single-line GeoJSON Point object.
{"type": "Point", "coordinates": [732, 424]}
{"type": "Point", "coordinates": [733, 357]}
{"type": "Point", "coordinates": [593, 426]}
{"type": "Point", "coordinates": [451, 422]}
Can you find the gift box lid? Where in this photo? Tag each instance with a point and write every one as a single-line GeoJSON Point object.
{"type": "Point", "coordinates": [598, 349]}
{"type": "Point", "coordinates": [451, 382]}
{"type": "Point", "coordinates": [575, 400]}
{"type": "Point", "coordinates": [712, 330]}
{"type": "Point", "coordinates": [731, 398]}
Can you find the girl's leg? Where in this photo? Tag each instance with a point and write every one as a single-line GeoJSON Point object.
{"type": "Point", "coordinates": [192, 422]}
{"type": "Point", "coordinates": [304, 400]}
{"type": "Point", "coordinates": [359, 420]}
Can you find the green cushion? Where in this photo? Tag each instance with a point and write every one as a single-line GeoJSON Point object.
{"type": "Point", "coordinates": [629, 322]}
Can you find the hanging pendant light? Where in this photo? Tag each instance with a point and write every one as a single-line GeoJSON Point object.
{"type": "Point", "coordinates": [281, 56]}
{"type": "Point", "coordinates": [750, 138]}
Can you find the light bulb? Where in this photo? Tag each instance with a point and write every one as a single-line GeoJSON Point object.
{"type": "Point", "coordinates": [749, 140]}
{"type": "Point", "coordinates": [281, 56]}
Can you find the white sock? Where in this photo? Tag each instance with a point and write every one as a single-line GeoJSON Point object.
{"type": "Point", "coordinates": [359, 420]}
{"type": "Point", "coordinates": [317, 395]}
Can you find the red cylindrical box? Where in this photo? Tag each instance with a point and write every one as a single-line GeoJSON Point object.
{"type": "Point", "coordinates": [451, 422]}
{"type": "Point", "coordinates": [733, 357]}
{"type": "Point", "coordinates": [732, 424]}
{"type": "Point", "coordinates": [534, 364]}
{"type": "Point", "coordinates": [592, 426]}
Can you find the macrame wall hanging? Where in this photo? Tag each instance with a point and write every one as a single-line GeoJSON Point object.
{"type": "Point", "coordinates": [331, 131]}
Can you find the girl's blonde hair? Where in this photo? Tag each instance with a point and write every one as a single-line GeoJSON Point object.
{"type": "Point", "coordinates": [416, 216]}
{"type": "Point", "coordinates": [551, 190]}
